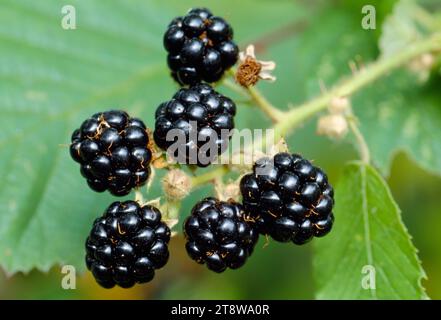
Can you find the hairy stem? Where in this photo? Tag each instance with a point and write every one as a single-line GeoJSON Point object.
{"type": "Point", "coordinates": [363, 148]}
{"type": "Point", "coordinates": [209, 176]}
{"type": "Point", "coordinates": [170, 211]}
{"type": "Point", "coordinates": [272, 112]}
{"type": "Point", "coordinates": [234, 87]}
{"type": "Point", "coordinates": [298, 115]}
{"type": "Point", "coordinates": [139, 197]}
{"type": "Point", "coordinates": [256, 97]}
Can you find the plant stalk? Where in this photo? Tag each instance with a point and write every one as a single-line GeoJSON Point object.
{"type": "Point", "coordinates": [275, 114]}
{"type": "Point", "coordinates": [363, 147]}
{"type": "Point", "coordinates": [212, 175]}
{"type": "Point", "coordinates": [257, 98]}
{"type": "Point", "coordinates": [298, 115]}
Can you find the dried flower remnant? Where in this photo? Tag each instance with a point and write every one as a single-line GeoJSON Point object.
{"type": "Point", "coordinates": [176, 184]}
{"type": "Point", "coordinates": [333, 125]}
{"type": "Point", "coordinates": [340, 105]}
{"type": "Point", "coordinates": [251, 70]}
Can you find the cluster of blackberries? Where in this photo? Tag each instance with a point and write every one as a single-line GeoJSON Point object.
{"type": "Point", "coordinates": [200, 47]}
{"type": "Point", "coordinates": [285, 197]}
{"type": "Point", "coordinates": [288, 198]}
{"type": "Point", "coordinates": [127, 244]}
{"type": "Point", "coordinates": [113, 151]}
{"type": "Point", "coordinates": [199, 117]}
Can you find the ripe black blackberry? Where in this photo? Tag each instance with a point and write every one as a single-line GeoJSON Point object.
{"type": "Point", "coordinates": [199, 121]}
{"type": "Point", "coordinates": [113, 151]}
{"type": "Point", "coordinates": [127, 244]}
{"type": "Point", "coordinates": [200, 47]}
{"type": "Point", "coordinates": [289, 198]}
{"type": "Point", "coordinates": [218, 235]}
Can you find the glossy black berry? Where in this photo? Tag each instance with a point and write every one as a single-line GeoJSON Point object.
{"type": "Point", "coordinates": [218, 235]}
{"type": "Point", "coordinates": [175, 39]}
{"type": "Point", "coordinates": [204, 13]}
{"type": "Point", "coordinates": [288, 198]}
{"type": "Point", "coordinates": [127, 244]}
{"type": "Point", "coordinates": [113, 152]}
{"type": "Point", "coordinates": [200, 47]}
{"type": "Point", "coordinates": [195, 126]}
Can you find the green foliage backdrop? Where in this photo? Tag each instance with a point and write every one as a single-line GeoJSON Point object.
{"type": "Point", "coordinates": [51, 79]}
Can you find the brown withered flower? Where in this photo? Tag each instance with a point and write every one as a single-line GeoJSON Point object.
{"type": "Point", "coordinates": [251, 70]}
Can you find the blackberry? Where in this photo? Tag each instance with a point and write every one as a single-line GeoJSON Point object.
{"type": "Point", "coordinates": [289, 198]}
{"type": "Point", "coordinates": [113, 151]}
{"type": "Point", "coordinates": [198, 121]}
{"type": "Point", "coordinates": [127, 244]}
{"type": "Point", "coordinates": [218, 235]}
{"type": "Point", "coordinates": [200, 47]}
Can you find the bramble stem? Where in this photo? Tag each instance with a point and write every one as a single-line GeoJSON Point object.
{"type": "Point", "coordinates": [271, 111]}
{"type": "Point", "coordinates": [209, 176]}
{"type": "Point", "coordinates": [139, 197]}
{"type": "Point", "coordinates": [256, 97]}
{"type": "Point", "coordinates": [234, 87]}
{"type": "Point", "coordinates": [298, 115]}
{"type": "Point", "coordinates": [172, 209]}
{"type": "Point", "coordinates": [363, 148]}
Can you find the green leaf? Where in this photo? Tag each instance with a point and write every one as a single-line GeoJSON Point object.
{"type": "Point", "coordinates": [52, 79]}
{"type": "Point", "coordinates": [406, 106]}
{"type": "Point", "coordinates": [408, 113]}
{"type": "Point", "coordinates": [402, 28]}
{"type": "Point", "coordinates": [368, 231]}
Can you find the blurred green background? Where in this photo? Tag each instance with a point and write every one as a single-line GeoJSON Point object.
{"type": "Point", "coordinates": [51, 79]}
